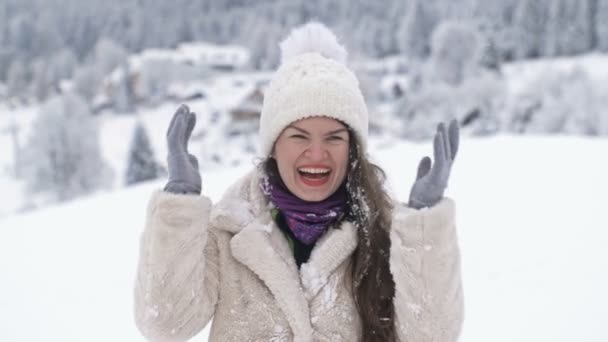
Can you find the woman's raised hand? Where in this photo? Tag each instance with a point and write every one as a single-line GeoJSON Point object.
{"type": "Point", "coordinates": [431, 180]}
{"type": "Point", "coordinates": [184, 176]}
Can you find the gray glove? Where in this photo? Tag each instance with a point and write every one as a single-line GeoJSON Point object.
{"type": "Point", "coordinates": [184, 177]}
{"type": "Point", "coordinates": [432, 181]}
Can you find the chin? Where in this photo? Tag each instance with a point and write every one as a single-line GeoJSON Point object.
{"type": "Point", "coordinates": [313, 198]}
{"type": "Point", "coordinates": [316, 195]}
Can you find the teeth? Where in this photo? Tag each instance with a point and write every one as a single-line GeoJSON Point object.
{"type": "Point", "coordinates": [313, 170]}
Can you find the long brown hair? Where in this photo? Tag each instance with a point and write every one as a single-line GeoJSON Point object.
{"type": "Point", "coordinates": [369, 209]}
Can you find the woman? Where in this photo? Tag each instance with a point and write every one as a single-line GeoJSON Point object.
{"type": "Point", "coordinates": [307, 246]}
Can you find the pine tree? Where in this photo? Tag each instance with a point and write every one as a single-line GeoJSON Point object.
{"type": "Point", "coordinates": [141, 165]}
{"type": "Point", "coordinates": [489, 54]}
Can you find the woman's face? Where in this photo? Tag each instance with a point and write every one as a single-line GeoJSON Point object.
{"type": "Point", "coordinates": [312, 157]}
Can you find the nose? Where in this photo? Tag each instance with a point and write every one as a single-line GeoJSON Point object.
{"type": "Point", "coordinates": [316, 151]}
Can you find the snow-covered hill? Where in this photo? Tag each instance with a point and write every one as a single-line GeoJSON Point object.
{"type": "Point", "coordinates": [532, 227]}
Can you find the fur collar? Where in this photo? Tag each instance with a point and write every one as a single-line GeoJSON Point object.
{"type": "Point", "coordinates": [260, 245]}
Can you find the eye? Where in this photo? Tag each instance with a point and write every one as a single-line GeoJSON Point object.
{"type": "Point", "coordinates": [297, 136]}
{"type": "Point", "coordinates": [335, 138]}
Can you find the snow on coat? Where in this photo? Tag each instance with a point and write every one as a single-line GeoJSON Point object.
{"type": "Point", "coordinates": [230, 262]}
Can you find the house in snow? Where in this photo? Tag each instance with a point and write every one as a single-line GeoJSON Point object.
{"type": "Point", "coordinates": [249, 107]}
{"type": "Point", "coordinates": [198, 54]}
{"type": "Point", "coordinates": [216, 57]}
{"type": "Point", "coordinates": [155, 75]}
{"type": "Point", "coordinates": [187, 91]}
{"type": "Point", "coordinates": [246, 110]}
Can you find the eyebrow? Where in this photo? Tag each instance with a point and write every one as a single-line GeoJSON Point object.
{"type": "Point", "coordinates": [298, 129]}
{"type": "Point", "coordinates": [339, 130]}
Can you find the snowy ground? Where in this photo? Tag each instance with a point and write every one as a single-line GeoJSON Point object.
{"type": "Point", "coordinates": [532, 227]}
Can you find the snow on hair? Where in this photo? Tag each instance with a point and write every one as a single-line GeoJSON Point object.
{"type": "Point", "coordinates": [313, 37]}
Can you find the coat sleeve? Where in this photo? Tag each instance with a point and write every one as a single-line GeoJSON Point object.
{"type": "Point", "coordinates": [425, 263]}
{"type": "Point", "coordinates": [176, 287]}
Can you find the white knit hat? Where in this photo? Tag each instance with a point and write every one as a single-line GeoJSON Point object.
{"type": "Point", "coordinates": [312, 80]}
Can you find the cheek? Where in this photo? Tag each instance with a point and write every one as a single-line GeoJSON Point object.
{"type": "Point", "coordinates": [285, 163]}
{"type": "Point", "coordinates": [282, 164]}
{"type": "Point", "coordinates": [341, 159]}
{"type": "Point", "coordinates": [284, 156]}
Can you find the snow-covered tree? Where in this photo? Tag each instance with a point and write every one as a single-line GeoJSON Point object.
{"type": "Point", "coordinates": [13, 129]}
{"type": "Point", "coordinates": [124, 95]}
{"type": "Point", "coordinates": [3, 38]}
{"type": "Point", "coordinates": [476, 103]}
{"type": "Point", "coordinates": [489, 53]}
{"type": "Point", "coordinates": [266, 38]}
{"type": "Point", "coordinates": [416, 29]}
{"type": "Point", "coordinates": [44, 79]}
{"type": "Point", "coordinates": [600, 20]}
{"type": "Point", "coordinates": [154, 79]}
{"type": "Point", "coordinates": [530, 23]}
{"type": "Point", "coordinates": [20, 32]}
{"type": "Point", "coordinates": [569, 30]}
{"type": "Point", "coordinates": [142, 165]}
{"type": "Point", "coordinates": [46, 38]}
{"type": "Point", "coordinates": [6, 60]}
{"type": "Point", "coordinates": [62, 154]}
{"type": "Point", "coordinates": [561, 102]}
{"type": "Point", "coordinates": [64, 63]}
{"type": "Point", "coordinates": [386, 35]}
{"type": "Point", "coordinates": [457, 10]}
{"type": "Point", "coordinates": [455, 52]}
{"type": "Point", "coordinates": [17, 80]}
{"type": "Point", "coordinates": [109, 55]}
{"type": "Point", "coordinates": [495, 18]}
{"type": "Point", "coordinates": [30, 30]}
{"type": "Point", "coordinates": [87, 81]}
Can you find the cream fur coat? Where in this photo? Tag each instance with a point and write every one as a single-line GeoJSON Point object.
{"type": "Point", "coordinates": [230, 262]}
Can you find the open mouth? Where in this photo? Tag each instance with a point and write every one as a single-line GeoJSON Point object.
{"type": "Point", "coordinates": [314, 176]}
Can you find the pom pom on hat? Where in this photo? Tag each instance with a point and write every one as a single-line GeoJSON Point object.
{"type": "Point", "coordinates": [313, 37]}
{"type": "Point", "coordinates": [313, 80]}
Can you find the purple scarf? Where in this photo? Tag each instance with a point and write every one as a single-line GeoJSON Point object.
{"type": "Point", "coordinates": [307, 220]}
